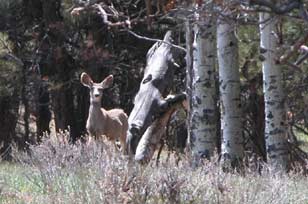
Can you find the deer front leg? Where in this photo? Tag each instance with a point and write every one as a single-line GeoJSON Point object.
{"type": "Point", "coordinates": [116, 145]}
{"type": "Point", "coordinates": [123, 144]}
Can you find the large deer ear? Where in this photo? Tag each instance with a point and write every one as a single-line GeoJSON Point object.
{"type": "Point", "coordinates": [107, 82]}
{"type": "Point", "coordinates": [86, 80]}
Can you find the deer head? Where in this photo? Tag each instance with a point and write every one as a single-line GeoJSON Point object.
{"type": "Point", "coordinates": [96, 89]}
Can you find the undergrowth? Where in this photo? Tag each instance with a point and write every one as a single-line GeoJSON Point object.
{"type": "Point", "coordinates": [57, 171]}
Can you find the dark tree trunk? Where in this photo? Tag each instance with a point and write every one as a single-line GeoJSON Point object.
{"type": "Point", "coordinates": [44, 113]}
{"type": "Point", "coordinates": [61, 67]}
{"type": "Point", "coordinates": [63, 106]}
{"type": "Point", "coordinates": [33, 10]}
{"type": "Point", "coordinates": [258, 122]}
{"type": "Point", "coordinates": [51, 11]}
{"type": "Point", "coordinates": [8, 120]}
{"type": "Point", "coordinates": [82, 109]}
{"type": "Point", "coordinates": [25, 102]}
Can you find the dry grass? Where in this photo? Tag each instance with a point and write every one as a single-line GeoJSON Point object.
{"type": "Point", "coordinates": [59, 172]}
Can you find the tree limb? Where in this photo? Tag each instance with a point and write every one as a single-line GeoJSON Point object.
{"type": "Point", "coordinates": [294, 49]}
{"type": "Point", "coordinates": [12, 58]}
{"type": "Point", "coordinates": [155, 40]}
{"type": "Point", "coordinates": [302, 58]}
{"type": "Point", "coordinates": [109, 23]}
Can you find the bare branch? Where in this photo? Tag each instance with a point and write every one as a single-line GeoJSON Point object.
{"type": "Point", "coordinates": [300, 129]}
{"type": "Point", "coordinates": [12, 58]}
{"type": "Point", "coordinates": [294, 49]}
{"type": "Point", "coordinates": [109, 23]}
{"type": "Point", "coordinates": [302, 58]}
{"type": "Point", "coordinates": [155, 40]}
{"type": "Point", "coordinates": [295, 66]}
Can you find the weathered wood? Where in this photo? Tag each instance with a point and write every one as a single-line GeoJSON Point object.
{"type": "Point", "coordinates": [155, 85]}
{"type": "Point", "coordinates": [152, 136]}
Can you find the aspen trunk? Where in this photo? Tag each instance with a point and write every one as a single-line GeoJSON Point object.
{"type": "Point", "coordinates": [231, 117]}
{"type": "Point", "coordinates": [275, 113]}
{"type": "Point", "coordinates": [203, 99]}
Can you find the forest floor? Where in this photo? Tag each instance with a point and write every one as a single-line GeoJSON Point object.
{"type": "Point", "coordinates": [59, 172]}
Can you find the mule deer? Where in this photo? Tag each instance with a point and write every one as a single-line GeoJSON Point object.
{"type": "Point", "coordinates": [111, 123]}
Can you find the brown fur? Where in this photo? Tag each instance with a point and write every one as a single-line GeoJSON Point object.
{"type": "Point", "coordinates": [111, 123]}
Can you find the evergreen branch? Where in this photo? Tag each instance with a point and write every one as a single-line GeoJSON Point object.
{"type": "Point", "coordinates": [282, 9]}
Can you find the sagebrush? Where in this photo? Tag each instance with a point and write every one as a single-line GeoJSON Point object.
{"type": "Point", "coordinates": [57, 171]}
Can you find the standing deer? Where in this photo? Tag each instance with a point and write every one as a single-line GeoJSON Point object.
{"type": "Point", "coordinates": [112, 123]}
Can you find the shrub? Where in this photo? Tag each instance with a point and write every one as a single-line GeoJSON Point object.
{"type": "Point", "coordinates": [57, 171]}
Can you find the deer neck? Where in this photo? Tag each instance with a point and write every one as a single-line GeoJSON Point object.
{"type": "Point", "coordinates": [96, 119]}
{"type": "Point", "coordinates": [94, 104]}
{"type": "Point", "coordinates": [96, 109]}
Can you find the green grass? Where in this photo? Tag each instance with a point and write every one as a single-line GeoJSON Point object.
{"type": "Point", "coordinates": [303, 139]}
{"type": "Point", "coordinates": [15, 182]}
{"type": "Point", "coordinates": [58, 172]}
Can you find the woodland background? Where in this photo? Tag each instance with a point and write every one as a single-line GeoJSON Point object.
{"type": "Point", "coordinates": [46, 45]}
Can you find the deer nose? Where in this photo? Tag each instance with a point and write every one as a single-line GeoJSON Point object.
{"type": "Point", "coordinates": [96, 95]}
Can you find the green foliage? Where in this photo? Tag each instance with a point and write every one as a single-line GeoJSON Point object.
{"type": "Point", "coordinates": [7, 5]}
{"type": "Point", "coordinates": [302, 139]}
{"type": "Point", "coordinates": [10, 72]}
{"type": "Point", "coordinates": [248, 50]}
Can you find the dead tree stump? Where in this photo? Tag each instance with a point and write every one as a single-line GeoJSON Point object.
{"type": "Point", "coordinates": [162, 60]}
{"type": "Point", "coordinates": [154, 133]}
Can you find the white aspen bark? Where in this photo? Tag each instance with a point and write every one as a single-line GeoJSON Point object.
{"type": "Point", "coordinates": [203, 98]}
{"type": "Point", "coordinates": [275, 112]}
{"type": "Point", "coordinates": [232, 148]}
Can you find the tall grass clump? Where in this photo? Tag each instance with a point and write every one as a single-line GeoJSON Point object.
{"type": "Point", "coordinates": [57, 171]}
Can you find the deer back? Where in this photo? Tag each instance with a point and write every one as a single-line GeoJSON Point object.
{"type": "Point", "coordinates": [116, 123]}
